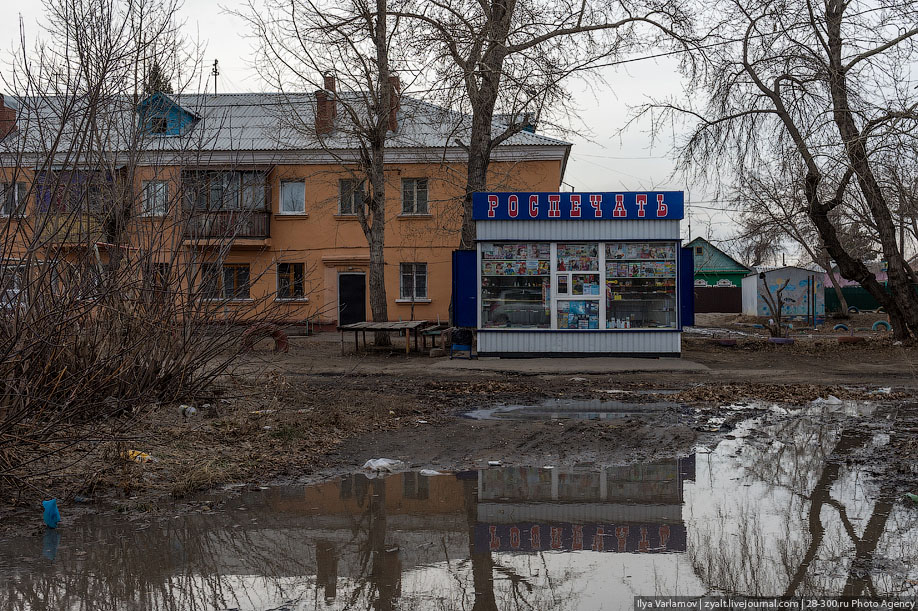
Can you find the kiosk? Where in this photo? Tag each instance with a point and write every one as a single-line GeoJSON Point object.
{"type": "Point", "coordinates": [573, 274]}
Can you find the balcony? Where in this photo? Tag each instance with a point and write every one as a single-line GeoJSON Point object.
{"type": "Point", "coordinates": [69, 228]}
{"type": "Point", "coordinates": [242, 227]}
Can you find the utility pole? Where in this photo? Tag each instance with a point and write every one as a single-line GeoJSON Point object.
{"type": "Point", "coordinates": [215, 72]}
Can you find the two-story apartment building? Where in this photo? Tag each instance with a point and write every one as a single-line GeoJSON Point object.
{"type": "Point", "coordinates": [260, 192]}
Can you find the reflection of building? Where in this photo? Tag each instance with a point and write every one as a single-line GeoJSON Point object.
{"type": "Point", "coordinates": [635, 508]}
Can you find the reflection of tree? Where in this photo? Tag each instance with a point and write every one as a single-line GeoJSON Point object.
{"type": "Point", "coordinates": [800, 457]}
{"type": "Point", "coordinates": [482, 563]}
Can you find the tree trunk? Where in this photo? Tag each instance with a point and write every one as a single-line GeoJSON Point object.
{"type": "Point", "coordinates": [833, 278]}
{"type": "Point", "coordinates": [902, 292]}
{"type": "Point", "coordinates": [849, 267]}
{"type": "Point", "coordinates": [376, 233]}
{"type": "Point", "coordinates": [483, 94]}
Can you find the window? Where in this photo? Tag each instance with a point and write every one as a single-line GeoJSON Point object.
{"type": "Point", "coordinates": [516, 285]}
{"type": "Point", "coordinates": [414, 196]}
{"type": "Point", "coordinates": [290, 280]}
{"type": "Point", "coordinates": [12, 281]}
{"type": "Point", "coordinates": [293, 197]}
{"type": "Point", "coordinates": [161, 275]}
{"type": "Point", "coordinates": [228, 281]}
{"type": "Point", "coordinates": [414, 281]}
{"type": "Point", "coordinates": [155, 198]}
{"type": "Point", "coordinates": [350, 196]}
{"type": "Point", "coordinates": [159, 125]}
{"type": "Point", "coordinates": [12, 198]}
{"type": "Point", "coordinates": [216, 190]}
{"type": "Point", "coordinates": [699, 250]}
{"type": "Point", "coordinates": [640, 285]}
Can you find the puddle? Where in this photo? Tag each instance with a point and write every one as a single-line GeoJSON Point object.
{"type": "Point", "coordinates": [574, 409]}
{"type": "Point", "coordinates": [778, 509]}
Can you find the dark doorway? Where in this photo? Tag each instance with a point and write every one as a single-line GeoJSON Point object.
{"type": "Point", "coordinates": [352, 298]}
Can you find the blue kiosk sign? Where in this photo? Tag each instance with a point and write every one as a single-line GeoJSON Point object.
{"type": "Point", "coordinates": [628, 205]}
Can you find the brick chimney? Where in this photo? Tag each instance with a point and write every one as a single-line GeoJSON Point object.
{"type": "Point", "coordinates": [326, 107]}
{"type": "Point", "coordinates": [7, 119]}
{"type": "Point", "coordinates": [395, 94]}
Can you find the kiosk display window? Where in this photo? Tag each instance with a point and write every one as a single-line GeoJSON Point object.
{"type": "Point", "coordinates": [640, 285]}
{"type": "Point", "coordinates": [579, 286]}
{"type": "Point", "coordinates": [515, 285]}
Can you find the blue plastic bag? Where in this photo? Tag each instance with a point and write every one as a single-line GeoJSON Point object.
{"type": "Point", "coordinates": [52, 515]}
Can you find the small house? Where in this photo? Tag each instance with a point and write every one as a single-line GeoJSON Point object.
{"type": "Point", "coordinates": [803, 297]}
{"type": "Point", "coordinates": [718, 278]}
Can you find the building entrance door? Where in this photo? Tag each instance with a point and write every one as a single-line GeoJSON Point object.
{"type": "Point", "coordinates": [352, 298]}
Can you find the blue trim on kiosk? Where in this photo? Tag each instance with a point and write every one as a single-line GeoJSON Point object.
{"type": "Point", "coordinates": [614, 206]}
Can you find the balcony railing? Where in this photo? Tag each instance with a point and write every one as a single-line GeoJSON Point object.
{"type": "Point", "coordinates": [246, 224]}
{"type": "Point", "coordinates": [69, 228]}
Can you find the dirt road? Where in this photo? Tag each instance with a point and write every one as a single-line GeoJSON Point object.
{"type": "Point", "coordinates": [312, 413]}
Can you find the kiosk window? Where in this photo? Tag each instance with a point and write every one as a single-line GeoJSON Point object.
{"type": "Point", "coordinates": [515, 285]}
{"type": "Point", "coordinates": [640, 285]}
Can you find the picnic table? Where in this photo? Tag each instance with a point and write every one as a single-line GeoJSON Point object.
{"type": "Point", "coordinates": [402, 325]}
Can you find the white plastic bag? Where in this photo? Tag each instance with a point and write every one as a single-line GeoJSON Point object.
{"type": "Point", "coordinates": [382, 465]}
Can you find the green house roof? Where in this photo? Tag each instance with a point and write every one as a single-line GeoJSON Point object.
{"type": "Point", "coordinates": [713, 260]}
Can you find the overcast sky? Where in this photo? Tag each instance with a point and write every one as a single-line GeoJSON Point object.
{"type": "Point", "coordinates": [602, 160]}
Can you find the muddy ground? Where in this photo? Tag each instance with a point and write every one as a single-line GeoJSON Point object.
{"type": "Point", "coordinates": [312, 413]}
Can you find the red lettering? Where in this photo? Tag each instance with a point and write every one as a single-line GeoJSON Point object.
{"type": "Point", "coordinates": [621, 533]}
{"type": "Point", "coordinates": [514, 537]}
{"type": "Point", "coordinates": [598, 539]}
{"type": "Point", "coordinates": [664, 536]}
{"type": "Point", "coordinates": [641, 202]}
{"type": "Point", "coordinates": [495, 540]}
{"type": "Point", "coordinates": [535, 538]}
{"type": "Point", "coordinates": [554, 206]}
{"type": "Point", "coordinates": [533, 206]}
{"type": "Point", "coordinates": [513, 206]}
{"type": "Point", "coordinates": [662, 209]}
{"type": "Point", "coordinates": [555, 537]}
{"type": "Point", "coordinates": [644, 542]}
{"type": "Point", "coordinates": [575, 206]}
{"type": "Point", "coordinates": [492, 205]}
{"type": "Point", "coordinates": [596, 202]}
{"type": "Point", "coordinates": [619, 210]}
{"type": "Point", "coordinates": [577, 541]}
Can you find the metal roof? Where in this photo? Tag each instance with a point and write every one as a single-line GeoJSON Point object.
{"type": "Point", "coordinates": [249, 122]}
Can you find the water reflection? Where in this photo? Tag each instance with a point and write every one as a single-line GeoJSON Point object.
{"type": "Point", "coordinates": [782, 509]}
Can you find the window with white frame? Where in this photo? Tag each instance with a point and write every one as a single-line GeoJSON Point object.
{"type": "Point", "coordinates": [414, 196]}
{"type": "Point", "coordinates": [155, 197]}
{"type": "Point", "coordinates": [12, 198]}
{"type": "Point", "coordinates": [291, 280]}
{"type": "Point", "coordinates": [413, 281]}
{"type": "Point", "coordinates": [350, 195]}
{"type": "Point", "coordinates": [293, 197]}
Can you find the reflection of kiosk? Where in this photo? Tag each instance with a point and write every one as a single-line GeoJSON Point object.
{"type": "Point", "coordinates": [635, 508]}
{"type": "Point", "coordinates": [576, 273]}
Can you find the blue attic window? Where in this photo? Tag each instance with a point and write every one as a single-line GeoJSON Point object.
{"type": "Point", "coordinates": [160, 115]}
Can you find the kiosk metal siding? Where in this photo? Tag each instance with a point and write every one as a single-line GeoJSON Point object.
{"type": "Point", "coordinates": [577, 231]}
{"type": "Point", "coordinates": [534, 342]}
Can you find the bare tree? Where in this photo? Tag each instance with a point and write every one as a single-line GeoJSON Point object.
{"type": "Point", "coordinates": [504, 62]}
{"type": "Point", "coordinates": [774, 209]}
{"type": "Point", "coordinates": [820, 90]}
{"type": "Point", "coordinates": [113, 296]}
{"type": "Point", "coordinates": [345, 52]}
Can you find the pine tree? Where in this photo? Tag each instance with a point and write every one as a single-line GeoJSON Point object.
{"type": "Point", "coordinates": [156, 80]}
